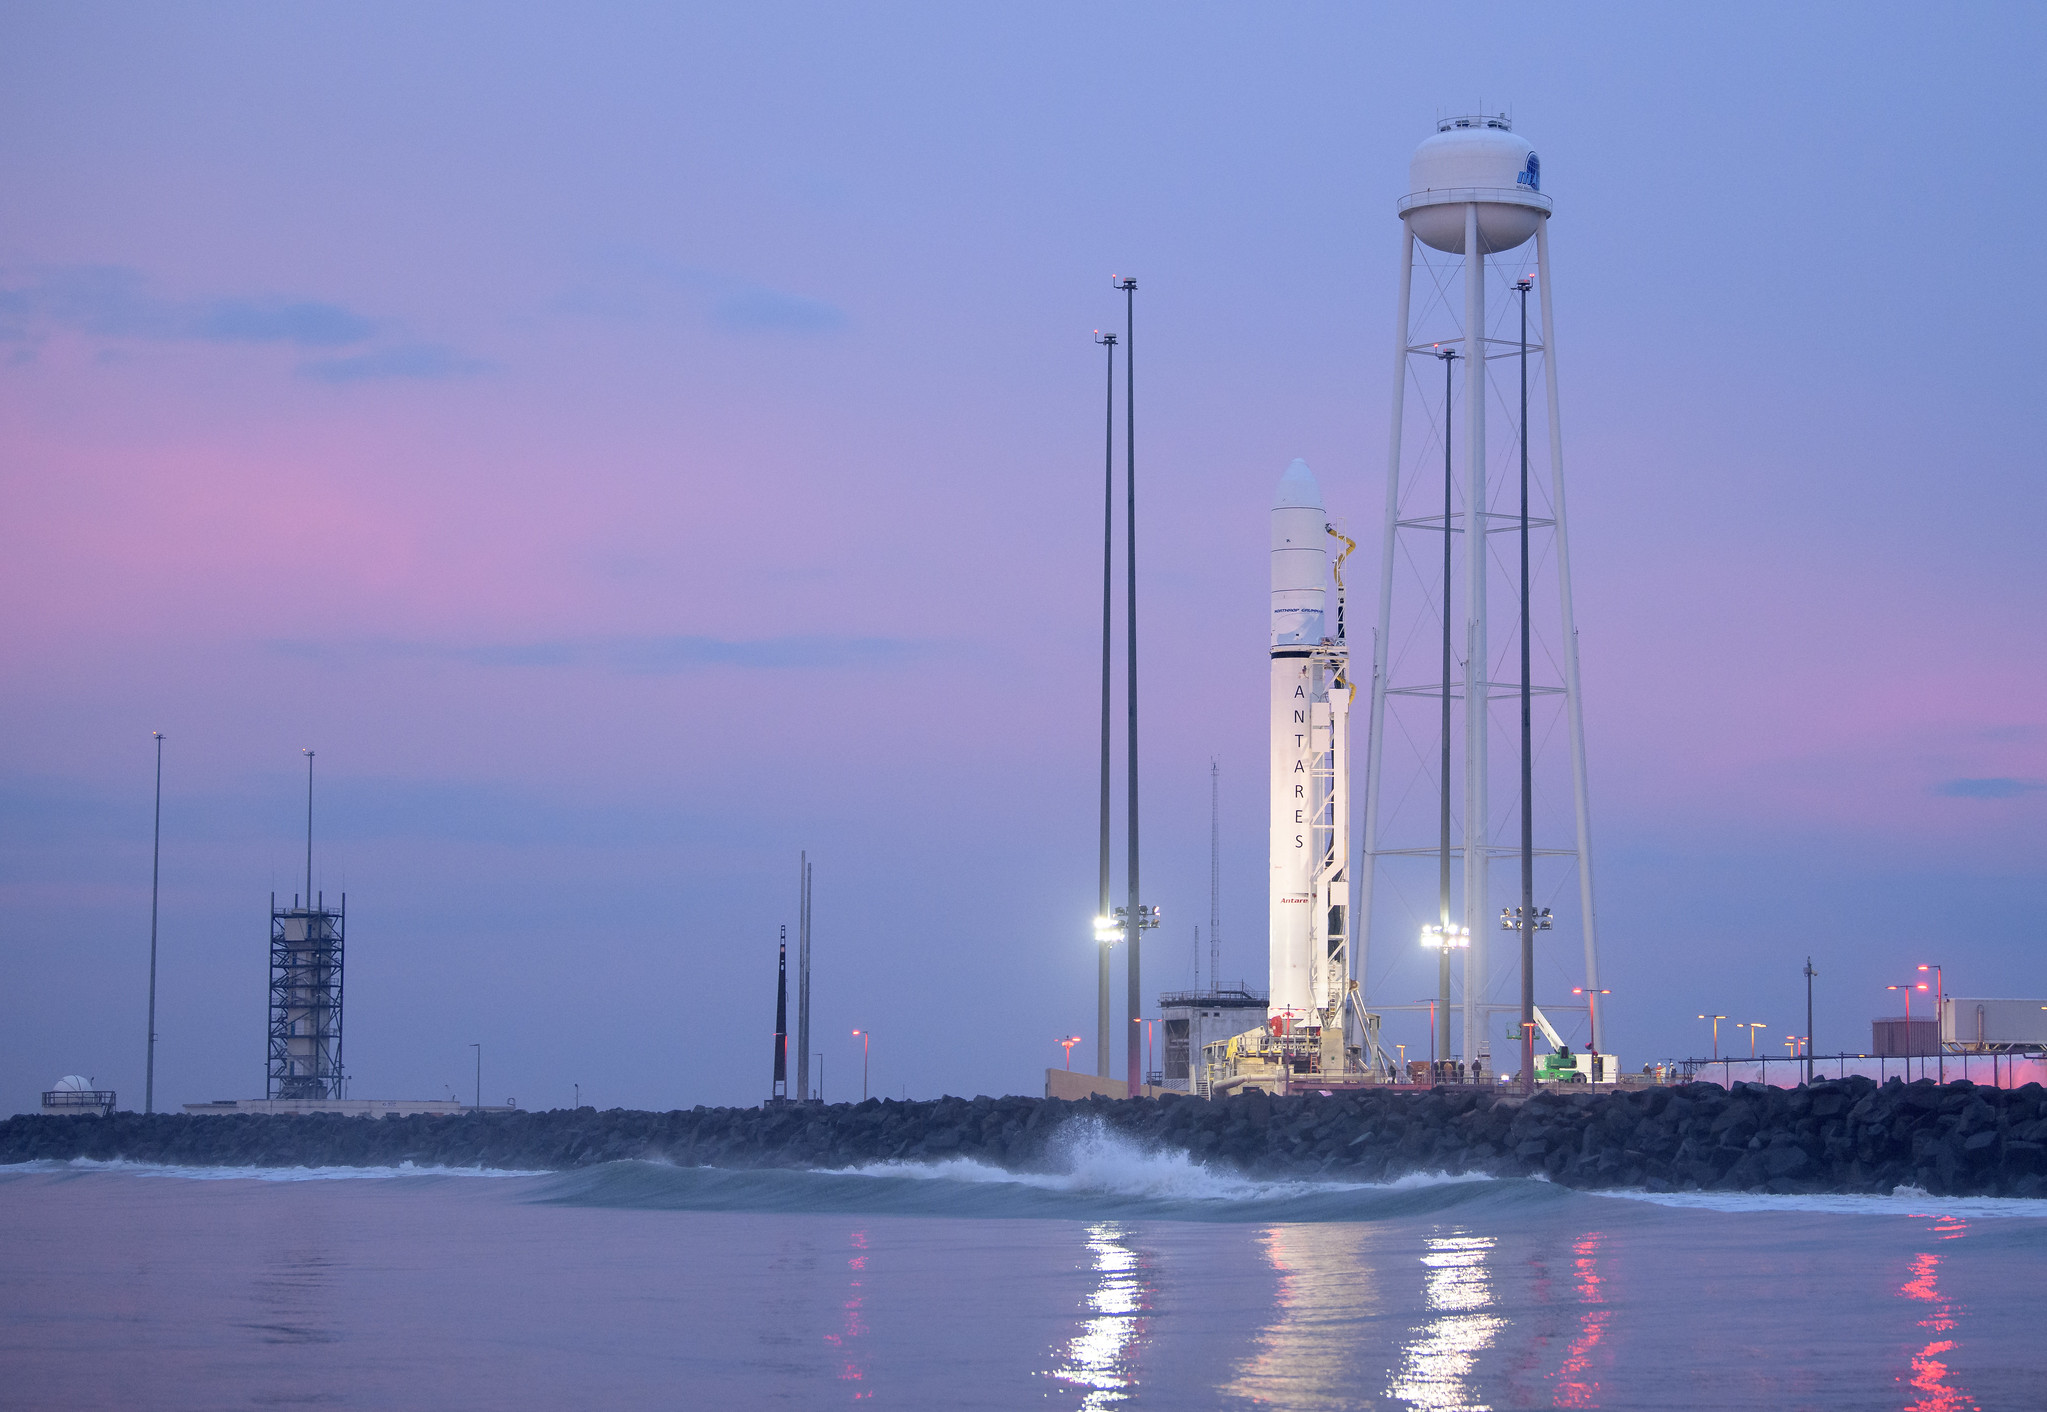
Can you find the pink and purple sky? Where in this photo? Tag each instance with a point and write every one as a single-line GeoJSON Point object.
{"type": "Point", "coordinates": [633, 445]}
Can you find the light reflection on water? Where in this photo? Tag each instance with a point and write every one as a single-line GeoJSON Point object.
{"type": "Point", "coordinates": [1099, 1359]}
{"type": "Point", "coordinates": [852, 1354]}
{"type": "Point", "coordinates": [1437, 1361]}
{"type": "Point", "coordinates": [1326, 1287]}
{"type": "Point", "coordinates": [1577, 1383]}
{"type": "Point", "coordinates": [1931, 1376]}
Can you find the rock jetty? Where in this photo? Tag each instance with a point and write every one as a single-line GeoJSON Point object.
{"type": "Point", "coordinates": [1847, 1135]}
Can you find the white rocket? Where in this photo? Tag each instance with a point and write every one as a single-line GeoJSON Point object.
{"type": "Point", "coordinates": [1311, 697]}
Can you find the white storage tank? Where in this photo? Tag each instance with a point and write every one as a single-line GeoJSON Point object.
{"type": "Point", "coordinates": [1475, 161]}
{"type": "Point", "coordinates": [1992, 1024]}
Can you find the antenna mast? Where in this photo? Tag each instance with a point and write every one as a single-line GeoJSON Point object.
{"type": "Point", "coordinates": [1215, 869]}
{"type": "Point", "coordinates": [309, 827]}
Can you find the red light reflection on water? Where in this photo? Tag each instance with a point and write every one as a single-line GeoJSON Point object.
{"type": "Point", "coordinates": [1930, 1372]}
{"type": "Point", "coordinates": [1574, 1387]}
{"type": "Point", "coordinates": [854, 1369]}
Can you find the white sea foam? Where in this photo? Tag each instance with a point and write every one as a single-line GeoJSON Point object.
{"type": "Point", "coordinates": [1100, 1161]}
{"type": "Point", "coordinates": [1903, 1201]}
{"type": "Point", "coordinates": [264, 1174]}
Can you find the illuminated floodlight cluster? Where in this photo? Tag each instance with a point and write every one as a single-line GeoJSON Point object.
{"type": "Point", "coordinates": [1446, 938]}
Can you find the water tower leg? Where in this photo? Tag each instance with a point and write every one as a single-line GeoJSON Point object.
{"type": "Point", "coordinates": [1376, 739]}
{"type": "Point", "coordinates": [1573, 700]}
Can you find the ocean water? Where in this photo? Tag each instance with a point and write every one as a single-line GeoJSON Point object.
{"type": "Point", "coordinates": [1129, 1279]}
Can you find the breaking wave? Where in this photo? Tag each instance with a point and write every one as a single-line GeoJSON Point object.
{"type": "Point", "coordinates": [1903, 1201]}
{"type": "Point", "coordinates": [1095, 1174]}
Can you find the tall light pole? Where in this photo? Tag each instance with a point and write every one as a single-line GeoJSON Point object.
{"type": "Point", "coordinates": [155, 861]}
{"type": "Point", "coordinates": [1449, 359]}
{"type": "Point", "coordinates": [1810, 973]}
{"type": "Point", "coordinates": [1752, 1026]}
{"type": "Point", "coordinates": [1104, 942]}
{"type": "Point", "coordinates": [479, 1073]}
{"type": "Point", "coordinates": [1526, 920]}
{"type": "Point", "coordinates": [1939, 1014]}
{"type": "Point", "coordinates": [864, 1037]}
{"type": "Point", "coordinates": [1134, 998]}
{"type": "Point", "coordinates": [1716, 1019]}
{"type": "Point", "coordinates": [1067, 1044]}
{"type": "Point", "coordinates": [1527, 736]}
{"type": "Point", "coordinates": [1446, 938]}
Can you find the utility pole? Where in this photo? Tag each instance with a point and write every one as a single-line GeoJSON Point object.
{"type": "Point", "coordinates": [479, 1063]}
{"type": "Point", "coordinates": [155, 874]}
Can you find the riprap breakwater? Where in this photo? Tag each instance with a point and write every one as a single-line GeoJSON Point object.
{"type": "Point", "coordinates": [1848, 1135]}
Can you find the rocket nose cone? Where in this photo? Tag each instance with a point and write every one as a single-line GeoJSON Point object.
{"type": "Point", "coordinates": [1297, 489]}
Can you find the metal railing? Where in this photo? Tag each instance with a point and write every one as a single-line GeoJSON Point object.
{"type": "Point", "coordinates": [1993, 1070]}
{"type": "Point", "coordinates": [67, 1100]}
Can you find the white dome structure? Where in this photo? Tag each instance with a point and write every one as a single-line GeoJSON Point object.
{"type": "Point", "coordinates": [75, 1094]}
{"type": "Point", "coordinates": [1474, 161]}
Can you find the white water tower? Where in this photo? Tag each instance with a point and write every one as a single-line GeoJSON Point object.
{"type": "Point", "coordinates": [1475, 222]}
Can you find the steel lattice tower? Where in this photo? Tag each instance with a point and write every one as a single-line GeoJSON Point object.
{"type": "Point", "coordinates": [306, 944]}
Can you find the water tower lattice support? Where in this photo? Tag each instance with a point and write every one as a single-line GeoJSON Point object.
{"type": "Point", "coordinates": [1476, 193]}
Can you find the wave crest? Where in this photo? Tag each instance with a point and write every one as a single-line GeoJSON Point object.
{"type": "Point", "coordinates": [1095, 1173]}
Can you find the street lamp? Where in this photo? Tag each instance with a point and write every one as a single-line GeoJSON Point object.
{"type": "Point", "coordinates": [1752, 1026]}
{"type": "Point", "coordinates": [1526, 919]}
{"type": "Point", "coordinates": [1939, 1020]}
{"type": "Point", "coordinates": [479, 1069]}
{"type": "Point", "coordinates": [1067, 1044]}
{"type": "Point", "coordinates": [864, 1037]}
{"type": "Point", "coordinates": [1108, 926]}
{"type": "Point", "coordinates": [1908, 989]}
{"type": "Point", "coordinates": [1716, 1019]}
{"type": "Point", "coordinates": [1443, 939]}
{"type": "Point", "coordinates": [1592, 997]}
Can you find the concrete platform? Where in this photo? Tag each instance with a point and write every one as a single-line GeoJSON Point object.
{"type": "Point", "coordinates": [1065, 1083]}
